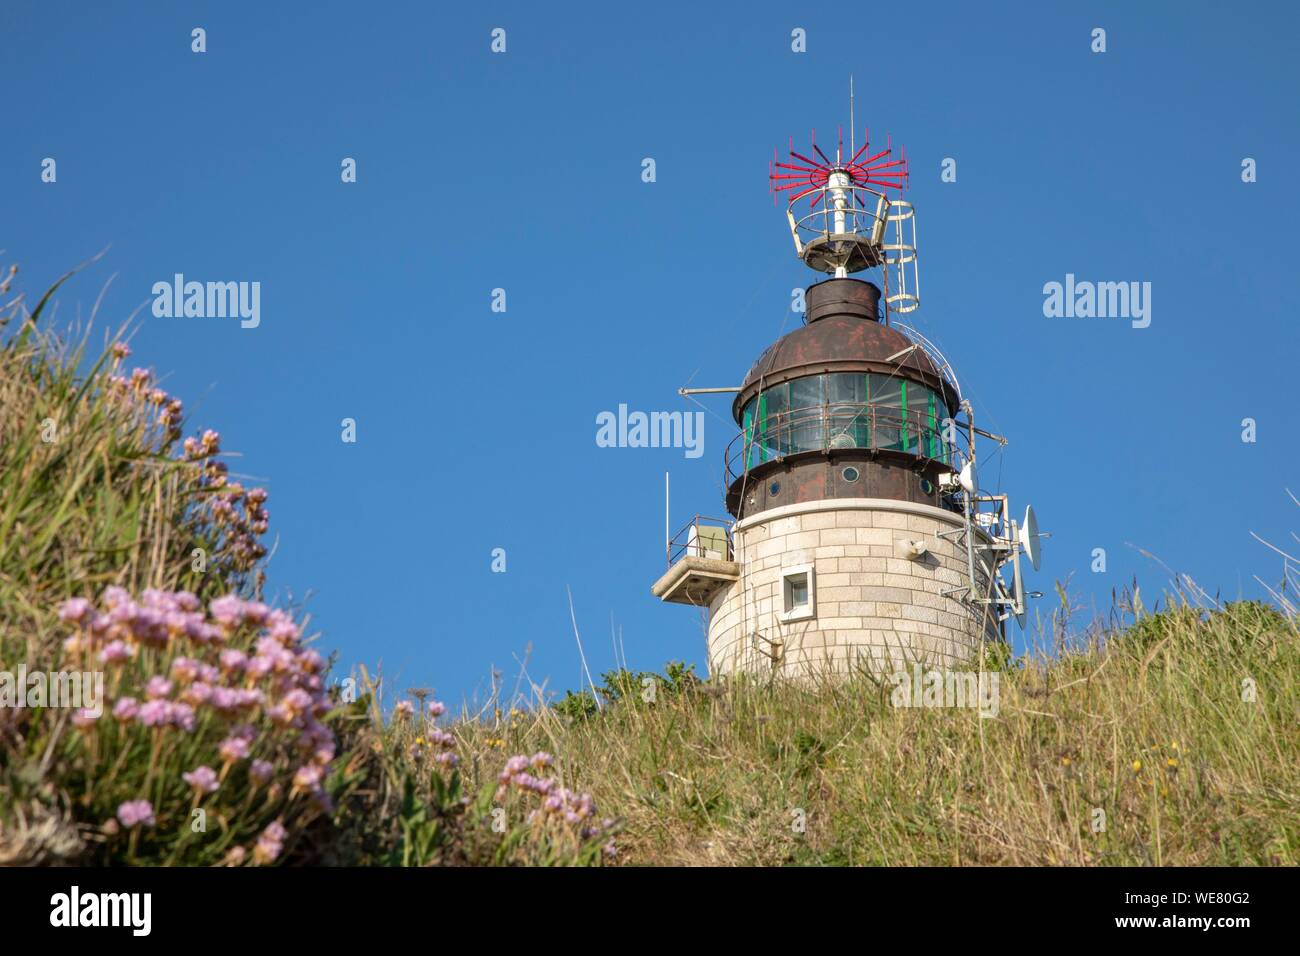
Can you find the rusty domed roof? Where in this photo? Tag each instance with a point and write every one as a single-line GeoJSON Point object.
{"type": "Point", "coordinates": [842, 334]}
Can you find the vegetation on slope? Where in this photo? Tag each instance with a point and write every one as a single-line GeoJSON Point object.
{"type": "Point", "coordinates": [224, 740]}
{"type": "Point", "coordinates": [130, 555]}
{"type": "Point", "coordinates": [1172, 743]}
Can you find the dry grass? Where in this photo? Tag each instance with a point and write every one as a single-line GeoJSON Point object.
{"type": "Point", "coordinates": [1150, 728]}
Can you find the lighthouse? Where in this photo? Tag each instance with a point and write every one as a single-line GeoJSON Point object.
{"type": "Point", "coordinates": [858, 535]}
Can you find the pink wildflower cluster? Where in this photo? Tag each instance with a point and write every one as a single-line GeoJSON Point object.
{"type": "Point", "coordinates": [134, 813]}
{"type": "Point", "coordinates": [202, 779]}
{"type": "Point", "coordinates": [237, 512]}
{"type": "Point", "coordinates": [278, 684]}
{"type": "Point", "coordinates": [270, 844]}
{"type": "Point", "coordinates": [558, 803]}
{"type": "Point", "coordinates": [439, 742]}
{"type": "Point", "coordinates": [138, 391]}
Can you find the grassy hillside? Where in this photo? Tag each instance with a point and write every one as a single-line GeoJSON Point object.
{"type": "Point", "coordinates": [129, 550]}
{"type": "Point", "coordinates": [1151, 729]}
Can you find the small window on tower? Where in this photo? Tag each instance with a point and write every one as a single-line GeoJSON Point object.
{"type": "Point", "coordinates": [798, 593]}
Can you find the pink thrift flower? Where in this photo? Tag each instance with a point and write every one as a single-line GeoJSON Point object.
{"type": "Point", "coordinates": [134, 813]}
{"type": "Point", "coordinates": [261, 771]}
{"type": "Point", "coordinates": [259, 666]}
{"type": "Point", "coordinates": [233, 748]}
{"type": "Point", "coordinates": [114, 595]}
{"type": "Point", "coordinates": [74, 610]}
{"type": "Point", "coordinates": [126, 709]}
{"type": "Point", "coordinates": [281, 627]}
{"type": "Point", "coordinates": [197, 694]}
{"type": "Point", "coordinates": [226, 610]}
{"type": "Point", "coordinates": [541, 759]}
{"type": "Point", "coordinates": [185, 670]}
{"type": "Point", "coordinates": [297, 701]}
{"type": "Point", "coordinates": [403, 709]}
{"type": "Point", "coordinates": [182, 716]}
{"type": "Point", "coordinates": [115, 652]}
{"type": "Point", "coordinates": [124, 613]}
{"type": "Point", "coordinates": [255, 612]}
{"type": "Point", "coordinates": [513, 766]}
{"type": "Point", "coordinates": [157, 687]}
{"type": "Point", "coordinates": [276, 831]}
{"type": "Point", "coordinates": [248, 699]}
{"type": "Point", "coordinates": [437, 708]}
{"type": "Point", "coordinates": [156, 713]}
{"type": "Point", "coordinates": [270, 844]}
{"type": "Point", "coordinates": [225, 699]}
{"type": "Point", "coordinates": [308, 777]}
{"type": "Point", "coordinates": [203, 779]}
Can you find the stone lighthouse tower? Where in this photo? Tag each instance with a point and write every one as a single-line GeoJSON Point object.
{"type": "Point", "coordinates": [858, 534]}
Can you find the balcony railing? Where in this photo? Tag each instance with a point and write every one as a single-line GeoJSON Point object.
{"type": "Point", "coordinates": [701, 537]}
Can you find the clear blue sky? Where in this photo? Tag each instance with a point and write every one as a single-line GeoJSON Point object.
{"type": "Point", "coordinates": [476, 430]}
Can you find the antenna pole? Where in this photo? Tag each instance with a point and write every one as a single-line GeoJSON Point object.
{"type": "Point", "coordinates": [852, 124]}
{"type": "Point", "coordinates": [668, 535]}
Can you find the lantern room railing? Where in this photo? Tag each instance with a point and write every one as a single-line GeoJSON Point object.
{"type": "Point", "coordinates": [831, 427]}
{"type": "Point", "coordinates": [851, 227]}
{"type": "Point", "coordinates": [840, 210]}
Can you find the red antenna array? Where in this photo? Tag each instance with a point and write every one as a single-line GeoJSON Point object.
{"type": "Point", "coordinates": [808, 175]}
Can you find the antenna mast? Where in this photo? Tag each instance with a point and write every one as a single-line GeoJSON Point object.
{"type": "Point", "coordinates": [852, 122]}
{"type": "Point", "coordinates": [852, 222]}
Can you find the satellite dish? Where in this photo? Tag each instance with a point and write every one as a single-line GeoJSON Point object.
{"type": "Point", "coordinates": [967, 477]}
{"type": "Point", "coordinates": [1019, 586]}
{"type": "Point", "coordinates": [1029, 537]}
